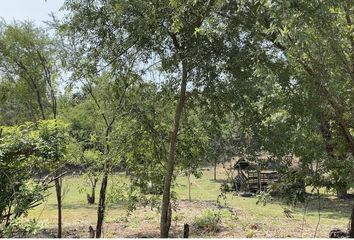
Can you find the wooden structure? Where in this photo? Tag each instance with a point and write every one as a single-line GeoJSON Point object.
{"type": "Point", "coordinates": [251, 178]}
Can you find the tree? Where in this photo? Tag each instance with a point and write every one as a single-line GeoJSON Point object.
{"type": "Point", "coordinates": [170, 32]}
{"type": "Point", "coordinates": [86, 152]}
{"type": "Point", "coordinates": [286, 81]}
{"type": "Point", "coordinates": [28, 63]}
{"type": "Point", "coordinates": [320, 54]}
{"type": "Point", "coordinates": [25, 150]}
{"type": "Point", "coordinates": [315, 40]}
{"type": "Point", "coordinates": [110, 103]}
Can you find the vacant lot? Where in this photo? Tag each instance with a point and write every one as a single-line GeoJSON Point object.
{"type": "Point", "coordinates": [242, 217]}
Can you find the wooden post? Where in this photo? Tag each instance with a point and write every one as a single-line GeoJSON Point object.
{"type": "Point", "coordinates": [186, 231]}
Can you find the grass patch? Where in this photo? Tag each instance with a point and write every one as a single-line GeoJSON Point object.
{"type": "Point", "coordinates": [252, 219]}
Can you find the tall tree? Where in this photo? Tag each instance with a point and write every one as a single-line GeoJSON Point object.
{"type": "Point", "coordinates": [177, 36]}
{"type": "Point", "coordinates": [301, 80]}
{"type": "Point", "coordinates": [28, 63]}
{"type": "Point", "coordinates": [316, 40]}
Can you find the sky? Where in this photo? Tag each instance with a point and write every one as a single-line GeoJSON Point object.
{"type": "Point", "coordinates": [35, 10]}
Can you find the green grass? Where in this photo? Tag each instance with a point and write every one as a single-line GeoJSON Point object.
{"type": "Point", "coordinates": [75, 207]}
{"type": "Point", "coordinates": [207, 189]}
{"type": "Point", "coordinates": [76, 211]}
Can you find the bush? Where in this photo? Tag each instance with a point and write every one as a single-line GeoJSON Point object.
{"type": "Point", "coordinates": [209, 221]}
{"type": "Point", "coordinates": [19, 229]}
{"type": "Point", "coordinates": [225, 187]}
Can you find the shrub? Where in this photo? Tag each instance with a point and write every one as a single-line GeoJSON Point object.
{"type": "Point", "coordinates": [19, 229]}
{"type": "Point", "coordinates": [225, 187]}
{"type": "Point", "coordinates": [209, 221]}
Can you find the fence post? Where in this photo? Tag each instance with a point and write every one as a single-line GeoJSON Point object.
{"type": "Point", "coordinates": [186, 231]}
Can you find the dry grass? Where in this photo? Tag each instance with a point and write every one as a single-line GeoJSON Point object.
{"type": "Point", "coordinates": [248, 218]}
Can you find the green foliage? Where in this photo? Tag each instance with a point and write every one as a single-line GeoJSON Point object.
{"type": "Point", "coordinates": [26, 150]}
{"type": "Point", "coordinates": [226, 187]}
{"type": "Point", "coordinates": [339, 175]}
{"type": "Point", "coordinates": [264, 78]}
{"type": "Point", "coordinates": [19, 229]}
{"type": "Point", "coordinates": [28, 73]}
{"type": "Point", "coordinates": [291, 189]}
{"type": "Point", "coordinates": [264, 198]}
{"type": "Point", "coordinates": [209, 221]}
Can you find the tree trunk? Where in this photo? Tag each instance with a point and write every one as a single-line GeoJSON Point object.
{"type": "Point", "coordinates": [7, 223]}
{"type": "Point", "coordinates": [215, 164]}
{"type": "Point", "coordinates": [91, 199]}
{"type": "Point", "coordinates": [342, 192]}
{"type": "Point", "coordinates": [93, 194]}
{"type": "Point", "coordinates": [164, 228]}
{"type": "Point", "coordinates": [259, 180]}
{"type": "Point", "coordinates": [101, 205]}
{"type": "Point", "coordinates": [58, 186]}
{"type": "Point", "coordinates": [351, 230]}
{"type": "Point", "coordinates": [39, 100]}
{"type": "Point", "coordinates": [189, 187]}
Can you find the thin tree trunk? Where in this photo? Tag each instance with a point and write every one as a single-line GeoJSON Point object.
{"type": "Point", "coordinates": [103, 191]}
{"type": "Point", "coordinates": [164, 228]}
{"type": "Point", "coordinates": [342, 192]}
{"type": "Point", "coordinates": [39, 100]}
{"type": "Point", "coordinates": [189, 187]}
{"type": "Point", "coordinates": [101, 205]}
{"type": "Point", "coordinates": [215, 170]}
{"type": "Point", "coordinates": [58, 186]}
{"type": "Point", "coordinates": [94, 190]}
{"type": "Point", "coordinates": [7, 223]}
{"type": "Point", "coordinates": [259, 180]}
{"type": "Point", "coordinates": [351, 231]}
{"type": "Point", "coordinates": [91, 199]}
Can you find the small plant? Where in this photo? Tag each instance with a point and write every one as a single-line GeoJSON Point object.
{"type": "Point", "coordinates": [176, 218]}
{"type": "Point", "coordinates": [222, 200]}
{"type": "Point", "coordinates": [209, 221]}
{"type": "Point", "coordinates": [225, 187]}
{"type": "Point", "coordinates": [264, 198]}
{"type": "Point", "coordinates": [250, 233]}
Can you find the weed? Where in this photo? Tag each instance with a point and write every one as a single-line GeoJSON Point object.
{"type": "Point", "coordinates": [209, 221]}
{"type": "Point", "coordinates": [250, 233]}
